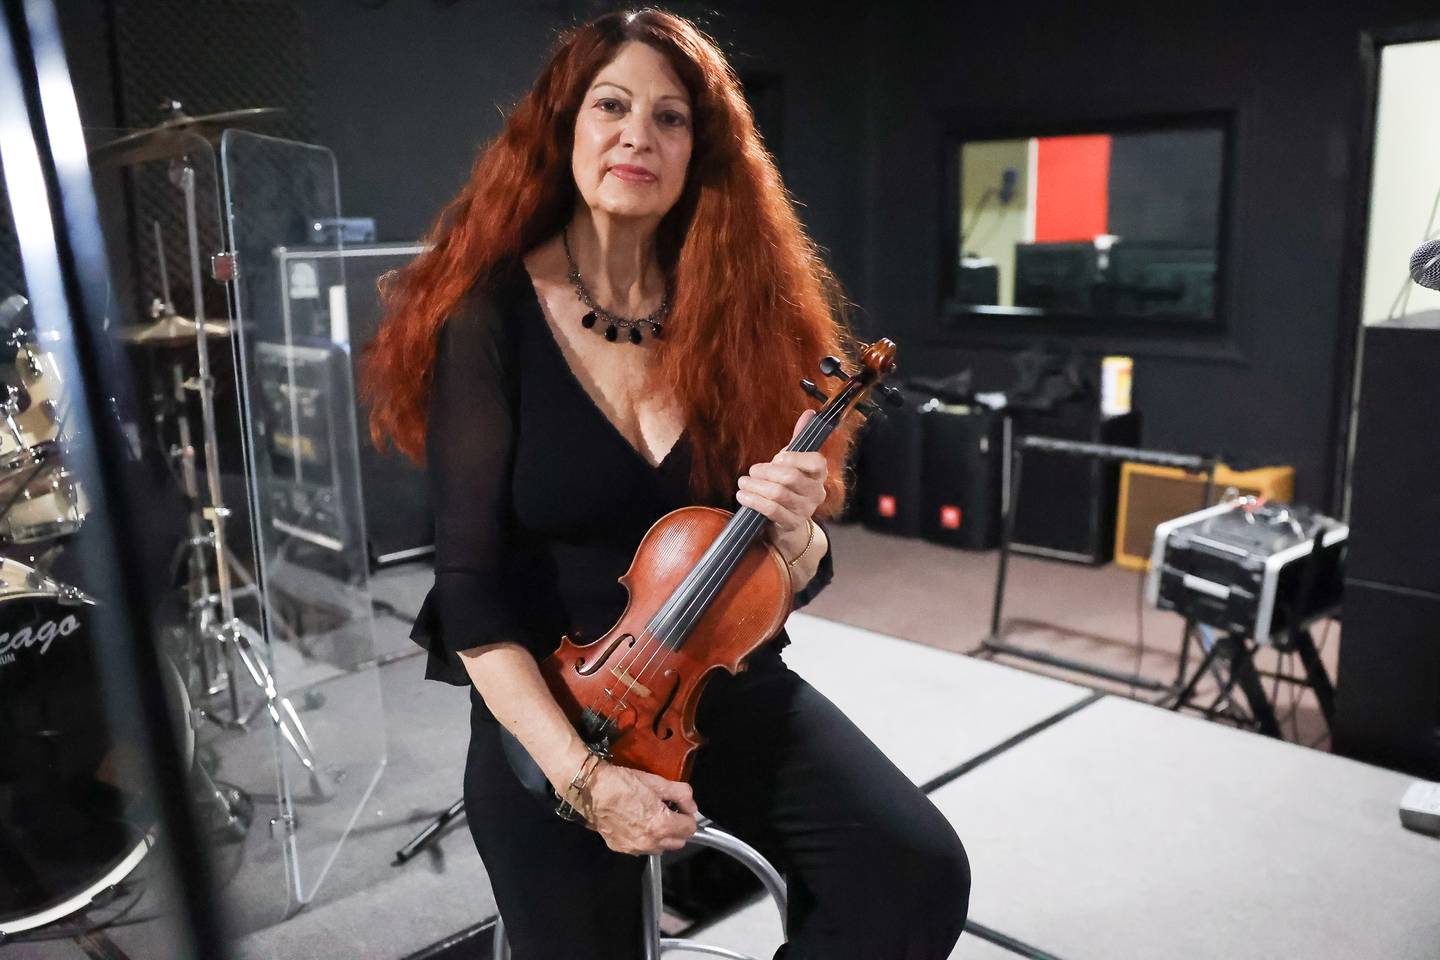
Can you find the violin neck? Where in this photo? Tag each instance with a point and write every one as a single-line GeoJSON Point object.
{"type": "Point", "coordinates": [678, 616]}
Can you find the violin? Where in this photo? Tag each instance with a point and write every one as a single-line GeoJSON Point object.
{"type": "Point", "coordinates": [705, 592]}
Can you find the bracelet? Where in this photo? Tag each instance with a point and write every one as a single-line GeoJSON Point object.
{"type": "Point", "coordinates": [565, 809]}
{"type": "Point", "coordinates": [810, 528]}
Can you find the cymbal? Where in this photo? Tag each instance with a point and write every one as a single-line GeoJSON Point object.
{"type": "Point", "coordinates": [175, 136]}
{"type": "Point", "coordinates": [170, 330]}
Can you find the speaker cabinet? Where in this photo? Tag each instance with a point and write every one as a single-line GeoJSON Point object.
{"type": "Point", "coordinates": [1387, 691]}
{"type": "Point", "coordinates": [1395, 491]}
{"type": "Point", "coordinates": [963, 456]}
{"type": "Point", "coordinates": [1066, 505]}
{"type": "Point", "coordinates": [1151, 495]}
{"type": "Point", "coordinates": [888, 476]}
{"type": "Point", "coordinates": [1387, 703]}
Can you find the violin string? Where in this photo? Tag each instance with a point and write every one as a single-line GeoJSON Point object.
{"type": "Point", "coordinates": [713, 579]}
{"type": "Point", "coordinates": [663, 621]}
{"type": "Point", "coordinates": [669, 615]}
{"type": "Point", "coordinates": [714, 582]}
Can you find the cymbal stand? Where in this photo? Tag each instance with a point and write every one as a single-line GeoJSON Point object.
{"type": "Point", "coordinates": [169, 305]}
{"type": "Point", "coordinates": [238, 641]}
{"type": "Point", "coordinates": [214, 678]}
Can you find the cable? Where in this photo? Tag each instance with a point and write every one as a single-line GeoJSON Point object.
{"type": "Point", "coordinates": [1295, 703]}
{"type": "Point", "coordinates": [1280, 658]}
{"type": "Point", "coordinates": [965, 231]}
{"type": "Point", "coordinates": [1296, 695]}
{"type": "Point", "coordinates": [1404, 293]}
{"type": "Point", "coordinates": [1139, 629]}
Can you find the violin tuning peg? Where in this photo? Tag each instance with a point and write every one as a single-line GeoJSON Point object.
{"type": "Point", "coordinates": [892, 396]}
{"type": "Point", "coordinates": [830, 366]}
{"type": "Point", "coordinates": [869, 408]}
{"type": "Point", "coordinates": [809, 387]}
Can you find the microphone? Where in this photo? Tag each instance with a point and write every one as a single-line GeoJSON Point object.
{"type": "Point", "coordinates": [1425, 265]}
{"type": "Point", "coordinates": [1008, 176]}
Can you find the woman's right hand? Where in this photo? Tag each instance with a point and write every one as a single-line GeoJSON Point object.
{"type": "Point", "coordinates": [631, 810]}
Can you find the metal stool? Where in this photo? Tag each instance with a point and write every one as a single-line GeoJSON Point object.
{"type": "Point", "coordinates": [651, 898]}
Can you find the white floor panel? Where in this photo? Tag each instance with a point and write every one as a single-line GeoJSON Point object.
{"type": "Point", "coordinates": [756, 931]}
{"type": "Point", "coordinates": [1131, 832]}
{"type": "Point", "coordinates": [929, 710]}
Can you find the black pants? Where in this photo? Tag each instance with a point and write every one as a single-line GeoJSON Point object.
{"type": "Point", "coordinates": [874, 871]}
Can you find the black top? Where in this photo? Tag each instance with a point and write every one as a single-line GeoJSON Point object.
{"type": "Point", "coordinates": [539, 500]}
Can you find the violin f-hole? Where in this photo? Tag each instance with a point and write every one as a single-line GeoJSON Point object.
{"type": "Point", "coordinates": [586, 668]}
{"type": "Point", "coordinates": [668, 732]}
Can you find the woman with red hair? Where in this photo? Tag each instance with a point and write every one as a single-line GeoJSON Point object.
{"type": "Point", "coordinates": [609, 323]}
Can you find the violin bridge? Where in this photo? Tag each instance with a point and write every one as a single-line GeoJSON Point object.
{"type": "Point", "coordinates": [630, 682]}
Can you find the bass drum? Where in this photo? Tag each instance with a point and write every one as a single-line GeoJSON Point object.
{"type": "Point", "coordinates": [72, 820]}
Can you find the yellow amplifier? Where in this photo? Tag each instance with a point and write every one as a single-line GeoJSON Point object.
{"type": "Point", "coordinates": [1151, 495]}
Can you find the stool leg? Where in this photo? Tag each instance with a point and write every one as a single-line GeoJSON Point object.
{"type": "Point", "coordinates": [500, 944]}
{"type": "Point", "coordinates": [651, 905]}
{"type": "Point", "coordinates": [717, 839]}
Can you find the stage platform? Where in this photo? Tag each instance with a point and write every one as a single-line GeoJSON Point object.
{"type": "Point", "coordinates": [1126, 831]}
{"type": "Point", "coordinates": [928, 710]}
{"type": "Point", "coordinates": [1097, 827]}
{"type": "Point", "coordinates": [964, 708]}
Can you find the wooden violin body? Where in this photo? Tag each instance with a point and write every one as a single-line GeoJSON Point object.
{"type": "Point", "coordinates": [640, 697]}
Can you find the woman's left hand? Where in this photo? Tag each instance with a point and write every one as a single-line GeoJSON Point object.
{"type": "Point", "coordinates": [787, 490]}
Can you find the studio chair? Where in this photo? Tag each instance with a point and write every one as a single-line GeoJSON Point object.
{"type": "Point", "coordinates": [652, 899]}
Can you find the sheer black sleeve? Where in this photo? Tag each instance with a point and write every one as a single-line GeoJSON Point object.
{"type": "Point", "coordinates": [469, 436]}
{"type": "Point", "coordinates": [824, 573]}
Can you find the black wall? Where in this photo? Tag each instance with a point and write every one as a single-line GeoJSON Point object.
{"type": "Point", "coordinates": [1290, 74]}
{"type": "Point", "coordinates": [405, 92]}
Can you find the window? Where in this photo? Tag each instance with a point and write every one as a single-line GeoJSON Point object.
{"type": "Point", "coordinates": [1108, 225]}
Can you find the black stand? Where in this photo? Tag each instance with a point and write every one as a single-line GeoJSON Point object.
{"type": "Point", "coordinates": [994, 642]}
{"type": "Point", "coordinates": [1238, 652]}
{"type": "Point", "coordinates": [427, 836]}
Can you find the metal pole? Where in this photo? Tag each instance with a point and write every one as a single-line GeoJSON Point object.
{"type": "Point", "coordinates": [217, 512]}
{"type": "Point", "coordinates": [651, 903]}
{"type": "Point", "coordinates": [1007, 532]}
{"type": "Point", "coordinates": [197, 587]}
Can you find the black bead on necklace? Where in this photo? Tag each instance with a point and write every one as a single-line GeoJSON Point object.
{"type": "Point", "coordinates": [613, 323]}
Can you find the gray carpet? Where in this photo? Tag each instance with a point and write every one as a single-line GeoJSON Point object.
{"type": "Point", "coordinates": [942, 597]}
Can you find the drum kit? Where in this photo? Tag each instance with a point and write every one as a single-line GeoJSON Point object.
{"type": "Point", "coordinates": [72, 828]}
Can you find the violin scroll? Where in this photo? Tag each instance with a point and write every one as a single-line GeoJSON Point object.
{"type": "Point", "coordinates": [877, 361]}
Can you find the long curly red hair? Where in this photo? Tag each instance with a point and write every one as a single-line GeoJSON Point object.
{"type": "Point", "coordinates": [754, 306]}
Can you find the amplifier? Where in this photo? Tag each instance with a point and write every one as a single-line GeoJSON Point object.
{"type": "Point", "coordinates": [307, 491]}
{"type": "Point", "coordinates": [1150, 495]}
{"type": "Point", "coordinates": [1245, 566]}
{"type": "Point", "coordinates": [1066, 505]}
{"type": "Point", "coordinates": [399, 524]}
